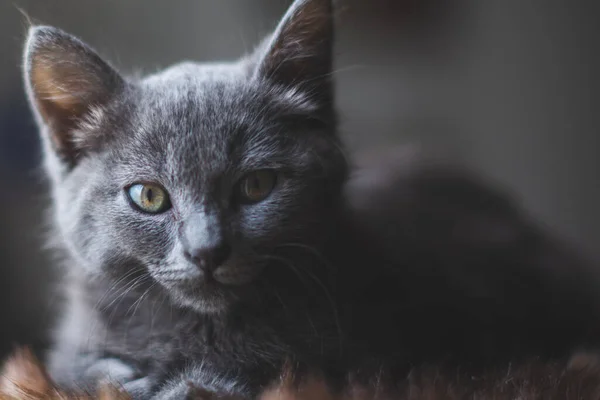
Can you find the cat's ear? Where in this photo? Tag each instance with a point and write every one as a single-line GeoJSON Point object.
{"type": "Point", "coordinates": [66, 81]}
{"type": "Point", "coordinates": [300, 51]}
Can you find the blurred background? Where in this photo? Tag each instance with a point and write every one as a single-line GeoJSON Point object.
{"type": "Point", "coordinates": [508, 87]}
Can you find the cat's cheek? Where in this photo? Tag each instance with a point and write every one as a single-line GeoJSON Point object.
{"type": "Point", "coordinates": [148, 240]}
{"type": "Point", "coordinates": [259, 222]}
{"type": "Point", "coordinates": [109, 236]}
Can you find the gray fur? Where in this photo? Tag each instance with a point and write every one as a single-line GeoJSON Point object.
{"type": "Point", "coordinates": [196, 129]}
{"type": "Point", "coordinates": [410, 273]}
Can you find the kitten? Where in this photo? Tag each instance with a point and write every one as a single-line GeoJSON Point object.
{"type": "Point", "coordinates": [209, 228]}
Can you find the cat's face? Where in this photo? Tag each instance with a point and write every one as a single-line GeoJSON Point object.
{"type": "Point", "coordinates": [198, 176]}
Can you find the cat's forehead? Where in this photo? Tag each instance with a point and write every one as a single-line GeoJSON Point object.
{"type": "Point", "coordinates": [196, 93]}
{"type": "Point", "coordinates": [214, 97]}
{"type": "Point", "coordinates": [195, 111]}
{"type": "Point", "coordinates": [214, 85]}
{"type": "Point", "coordinates": [196, 116]}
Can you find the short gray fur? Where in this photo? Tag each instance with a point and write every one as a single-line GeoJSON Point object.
{"type": "Point", "coordinates": [339, 278]}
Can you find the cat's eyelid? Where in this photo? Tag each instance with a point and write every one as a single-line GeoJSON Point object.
{"type": "Point", "coordinates": [131, 183]}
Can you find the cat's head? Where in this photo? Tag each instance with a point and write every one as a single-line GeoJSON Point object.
{"type": "Point", "coordinates": [197, 175]}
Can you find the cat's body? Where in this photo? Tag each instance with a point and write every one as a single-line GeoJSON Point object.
{"type": "Point", "coordinates": [209, 230]}
{"type": "Point", "coordinates": [486, 289]}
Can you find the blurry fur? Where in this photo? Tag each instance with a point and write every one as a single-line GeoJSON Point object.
{"type": "Point", "coordinates": [23, 378]}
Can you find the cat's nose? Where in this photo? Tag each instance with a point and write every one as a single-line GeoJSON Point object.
{"type": "Point", "coordinates": [203, 241]}
{"type": "Point", "coordinates": [208, 258]}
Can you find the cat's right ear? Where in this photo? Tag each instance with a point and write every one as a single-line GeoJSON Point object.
{"type": "Point", "coordinates": [66, 82]}
{"type": "Point", "coordinates": [300, 52]}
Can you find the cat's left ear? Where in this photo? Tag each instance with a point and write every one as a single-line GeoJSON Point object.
{"type": "Point", "coordinates": [66, 82]}
{"type": "Point", "coordinates": [299, 54]}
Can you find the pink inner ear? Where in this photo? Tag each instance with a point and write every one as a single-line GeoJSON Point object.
{"type": "Point", "coordinates": [65, 85]}
{"type": "Point", "coordinates": [56, 99]}
{"type": "Point", "coordinates": [50, 91]}
{"type": "Point", "coordinates": [58, 104]}
{"type": "Point", "coordinates": [67, 80]}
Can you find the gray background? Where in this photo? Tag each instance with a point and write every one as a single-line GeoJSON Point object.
{"type": "Point", "coordinates": [508, 87]}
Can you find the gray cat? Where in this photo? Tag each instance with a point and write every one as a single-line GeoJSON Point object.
{"type": "Point", "coordinates": [209, 230]}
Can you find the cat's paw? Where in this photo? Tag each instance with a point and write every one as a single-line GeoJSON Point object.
{"type": "Point", "coordinates": [111, 370]}
{"type": "Point", "coordinates": [187, 390]}
{"type": "Point", "coordinates": [139, 388]}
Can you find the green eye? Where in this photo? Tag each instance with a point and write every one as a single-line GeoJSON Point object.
{"type": "Point", "coordinates": [149, 197]}
{"type": "Point", "coordinates": [257, 185]}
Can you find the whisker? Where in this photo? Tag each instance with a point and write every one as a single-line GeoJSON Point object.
{"type": "Point", "coordinates": [312, 251]}
{"type": "Point", "coordinates": [125, 291]}
{"type": "Point", "coordinates": [114, 286]}
{"type": "Point", "coordinates": [135, 306]}
{"type": "Point", "coordinates": [315, 279]}
{"type": "Point", "coordinates": [111, 290]}
{"type": "Point", "coordinates": [129, 289]}
{"type": "Point", "coordinates": [137, 303]}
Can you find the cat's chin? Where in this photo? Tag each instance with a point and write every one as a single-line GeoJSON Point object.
{"type": "Point", "coordinates": [205, 298]}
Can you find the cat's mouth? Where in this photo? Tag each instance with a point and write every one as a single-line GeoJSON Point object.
{"type": "Point", "coordinates": [203, 295]}
{"type": "Point", "coordinates": [205, 292]}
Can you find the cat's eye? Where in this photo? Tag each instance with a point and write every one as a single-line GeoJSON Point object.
{"type": "Point", "coordinates": [257, 185]}
{"type": "Point", "coordinates": [149, 197]}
